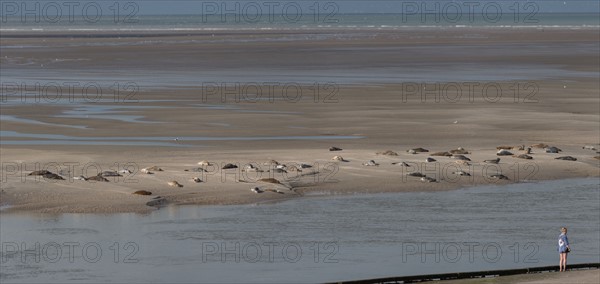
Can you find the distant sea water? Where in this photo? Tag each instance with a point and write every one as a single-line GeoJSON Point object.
{"type": "Point", "coordinates": [306, 21]}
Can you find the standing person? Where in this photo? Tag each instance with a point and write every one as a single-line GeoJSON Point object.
{"type": "Point", "coordinates": [563, 248]}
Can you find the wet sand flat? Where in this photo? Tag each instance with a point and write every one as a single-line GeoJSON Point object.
{"type": "Point", "coordinates": [187, 108]}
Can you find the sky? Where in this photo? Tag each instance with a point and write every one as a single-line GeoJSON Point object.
{"type": "Point", "coordinates": [158, 7]}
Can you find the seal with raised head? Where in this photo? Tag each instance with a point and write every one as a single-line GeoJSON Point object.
{"type": "Point", "coordinates": [339, 158]}
{"type": "Point", "coordinates": [174, 183]}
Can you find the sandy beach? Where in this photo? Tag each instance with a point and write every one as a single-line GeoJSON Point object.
{"type": "Point", "coordinates": [575, 276]}
{"type": "Point", "coordinates": [190, 122]}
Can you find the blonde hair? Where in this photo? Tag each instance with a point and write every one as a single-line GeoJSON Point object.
{"type": "Point", "coordinates": [563, 229]}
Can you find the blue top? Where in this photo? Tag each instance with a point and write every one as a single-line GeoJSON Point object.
{"type": "Point", "coordinates": [563, 242]}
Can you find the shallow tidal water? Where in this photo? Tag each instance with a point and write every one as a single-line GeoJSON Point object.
{"type": "Point", "coordinates": [313, 239]}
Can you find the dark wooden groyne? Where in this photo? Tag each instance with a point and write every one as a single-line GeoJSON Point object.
{"type": "Point", "coordinates": [468, 275]}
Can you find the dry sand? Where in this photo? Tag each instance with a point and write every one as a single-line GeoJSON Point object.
{"type": "Point", "coordinates": [565, 115]}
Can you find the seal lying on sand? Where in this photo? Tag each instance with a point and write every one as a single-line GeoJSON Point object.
{"type": "Point", "coordinates": [566, 158]}
{"type": "Point", "coordinates": [505, 148]}
{"type": "Point", "coordinates": [250, 168]}
{"type": "Point", "coordinates": [155, 168]}
{"type": "Point", "coordinates": [523, 156]}
{"type": "Point", "coordinates": [174, 184]}
{"type": "Point", "coordinates": [461, 162]}
{"type": "Point", "coordinates": [333, 148]}
{"type": "Point", "coordinates": [339, 158]}
{"type": "Point", "coordinates": [270, 162]}
{"type": "Point", "coordinates": [370, 163]}
{"type": "Point", "coordinates": [256, 190]}
{"type": "Point", "coordinates": [196, 179]}
{"type": "Point", "coordinates": [109, 174]}
{"type": "Point", "coordinates": [270, 180]}
{"type": "Point", "coordinates": [229, 166]}
{"type": "Point", "coordinates": [459, 150]}
{"type": "Point", "coordinates": [39, 173]}
{"type": "Point", "coordinates": [53, 176]}
{"type": "Point", "coordinates": [553, 150]}
{"type": "Point", "coordinates": [462, 173]}
{"type": "Point", "coordinates": [142, 192]}
{"type": "Point", "coordinates": [204, 163]}
{"type": "Point", "coordinates": [539, 145]}
{"type": "Point", "coordinates": [494, 161]}
{"type": "Point", "coordinates": [461, 157]}
{"type": "Point", "coordinates": [588, 147]}
{"type": "Point", "coordinates": [444, 154]}
{"type": "Point", "coordinates": [97, 178]}
{"type": "Point", "coordinates": [387, 153]}
{"type": "Point", "coordinates": [401, 164]}
{"type": "Point", "coordinates": [293, 169]}
{"type": "Point", "coordinates": [428, 179]}
{"type": "Point", "coordinates": [499, 176]}
{"type": "Point", "coordinates": [415, 174]}
{"type": "Point", "coordinates": [196, 170]}
{"type": "Point", "coordinates": [46, 174]}
{"type": "Point", "coordinates": [417, 150]}
{"type": "Point", "coordinates": [504, 153]}
{"type": "Point", "coordinates": [430, 160]}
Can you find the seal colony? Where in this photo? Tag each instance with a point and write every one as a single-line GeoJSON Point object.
{"type": "Point", "coordinates": [286, 177]}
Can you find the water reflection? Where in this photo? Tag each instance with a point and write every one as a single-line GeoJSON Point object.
{"type": "Point", "coordinates": [340, 237]}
